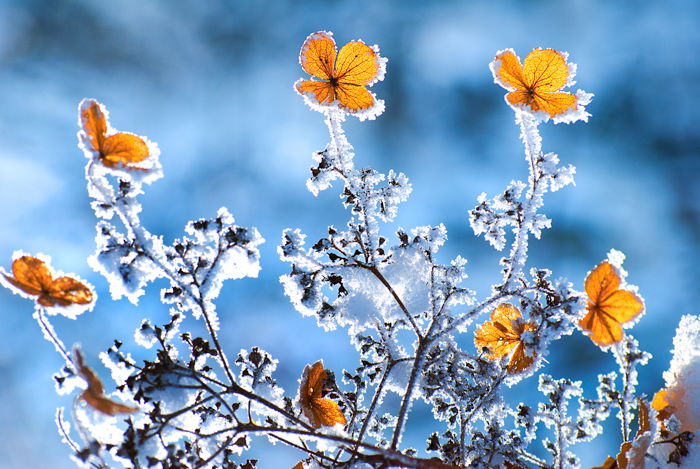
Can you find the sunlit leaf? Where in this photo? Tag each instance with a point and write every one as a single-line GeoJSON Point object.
{"type": "Point", "coordinates": [660, 403]}
{"type": "Point", "coordinates": [341, 76]}
{"type": "Point", "coordinates": [120, 149]}
{"type": "Point", "coordinates": [537, 83]}
{"type": "Point", "coordinates": [502, 335]}
{"type": "Point", "coordinates": [609, 306]}
{"type": "Point", "coordinates": [319, 410]}
{"type": "Point", "coordinates": [32, 276]}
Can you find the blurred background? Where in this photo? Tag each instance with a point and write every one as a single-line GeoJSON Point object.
{"type": "Point", "coordinates": [211, 82]}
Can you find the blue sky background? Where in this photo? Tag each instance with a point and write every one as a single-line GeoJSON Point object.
{"type": "Point", "coordinates": [211, 82]}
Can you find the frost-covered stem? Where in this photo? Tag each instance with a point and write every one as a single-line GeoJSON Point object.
{"type": "Point", "coordinates": [532, 141]}
{"type": "Point", "coordinates": [534, 459]}
{"type": "Point", "coordinates": [66, 436]}
{"type": "Point", "coordinates": [560, 437]}
{"type": "Point", "coordinates": [408, 395]}
{"type": "Point", "coordinates": [215, 338]}
{"type": "Point", "coordinates": [251, 395]}
{"type": "Point", "coordinates": [218, 451]}
{"type": "Point", "coordinates": [560, 447]}
{"type": "Point", "coordinates": [306, 449]}
{"type": "Point", "coordinates": [474, 312]}
{"type": "Point", "coordinates": [218, 396]}
{"type": "Point", "coordinates": [186, 409]}
{"type": "Point", "coordinates": [376, 398]}
{"type": "Point", "coordinates": [622, 401]}
{"type": "Point", "coordinates": [85, 435]}
{"type": "Point", "coordinates": [484, 398]}
{"type": "Point", "coordinates": [338, 144]}
{"type": "Point", "coordinates": [140, 235]}
{"type": "Point", "coordinates": [255, 428]}
{"type": "Point", "coordinates": [462, 435]}
{"type": "Point", "coordinates": [423, 344]}
{"type": "Point", "coordinates": [50, 334]}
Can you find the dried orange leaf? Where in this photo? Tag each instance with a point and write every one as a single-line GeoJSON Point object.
{"type": "Point", "coordinates": [120, 149]}
{"type": "Point", "coordinates": [357, 64]}
{"type": "Point", "coordinates": [609, 306]}
{"type": "Point", "coordinates": [502, 335]}
{"type": "Point", "coordinates": [317, 55]}
{"type": "Point", "coordinates": [321, 91]}
{"type": "Point", "coordinates": [537, 84]}
{"type": "Point", "coordinates": [353, 97]}
{"type": "Point", "coordinates": [299, 465]}
{"type": "Point", "coordinates": [342, 76]}
{"type": "Point", "coordinates": [660, 403]}
{"type": "Point", "coordinates": [106, 405]}
{"type": "Point", "coordinates": [622, 460]}
{"type": "Point", "coordinates": [94, 394]}
{"type": "Point", "coordinates": [320, 411]}
{"type": "Point", "coordinates": [123, 149]}
{"type": "Point", "coordinates": [610, 463]}
{"type": "Point", "coordinates": [32, 276]}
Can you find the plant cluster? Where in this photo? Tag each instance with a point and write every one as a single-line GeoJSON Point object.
{"type": "Point", "coordinates": [418, 330]}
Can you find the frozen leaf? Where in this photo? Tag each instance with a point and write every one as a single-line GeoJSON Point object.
{"type": "Point", "coordinates": [502, 335]}
{"type": "Point", "coordinates": [94, 394]}
{"type": "Point", "coordinates": [119, 149]}
{"type": "Point", "coordinates": [536, 85]}
{"type": "Point", "coordinates": [661, 405]}
{"type": "Point", "coordinates": [609, 305]}
{"type": "Point", "coordinates": [320, 411]}
{"type": "Point", "coordinates": [341, 77]}
{"type": "Point", "coordinates": [33, 277]}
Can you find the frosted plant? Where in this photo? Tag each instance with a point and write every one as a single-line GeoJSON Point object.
{"type": "Point", "coordinates": [412, 319]}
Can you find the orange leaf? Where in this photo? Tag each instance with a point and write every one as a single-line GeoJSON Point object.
{"type": "Point", "coordinates": [342, 77]}
{"type": "Point", "coordinates": [318, 410]}
{"type": "Point", "coordinates": [123, 149]}
{"type": "Point", "coordinates": [609, 306]}
{"type": "Point", "coordinates": [120, 149]}
{"type": "Point", "coordinates": [502, 335]}
{"type": "Point", "coordinates": [94, 394]}
{"type": "Point", "coordinates": [622, 460]}
{"type": "Point", "coordinates": [299, 465]}
{"type": "Point", "coordinates": [32, 276]}
{"type": "Point", "coordinates": [660, 403]}
{"type": "Point", "coordinates": [610, 463]}
{"type": "Point", "coordinates": [537, 84]}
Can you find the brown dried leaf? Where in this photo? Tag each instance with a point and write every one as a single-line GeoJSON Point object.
{"type": "Point", "coordinates": [94, 394]}
{"type": "Point", "coordinates": [320, 411]}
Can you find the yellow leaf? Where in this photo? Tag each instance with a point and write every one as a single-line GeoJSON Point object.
{"type": "Point", "coordinates": [609, 306]}
{"type": "Point", "coordinates": [340, 76]}
{"type": "Point", "coordinates": [536, 84]}
{"type": "Point", "coordinates": [502, 335]}
{"type": "Point", "coordinates": [120, 149]}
